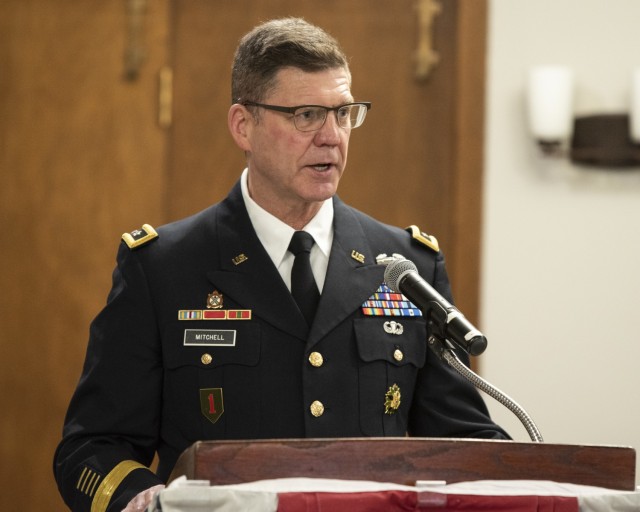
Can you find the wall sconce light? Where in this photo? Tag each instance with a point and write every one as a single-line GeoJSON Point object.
{"type": "Point", "coordinates": [603, 140]}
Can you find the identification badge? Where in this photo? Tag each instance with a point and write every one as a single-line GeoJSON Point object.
{"type": "Point", "coordinates": [209, 338]}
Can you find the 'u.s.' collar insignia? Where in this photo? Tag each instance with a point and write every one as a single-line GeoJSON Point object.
{"type": "Point", "coordinates": [240, 258]}
{"type": "Point", "coordinates": [359, 257]}
{"type": "Point", "coordinates": [214, 300]}
{"type": "Point", "coordinates": [392, 399]}
{"type": "Point", "coordinates": [427, 240]}
{"type": "Point", "coordinates": [140, 237]}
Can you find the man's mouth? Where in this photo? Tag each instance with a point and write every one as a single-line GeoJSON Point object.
{"type": "Point", "coordinates": [321, 167]}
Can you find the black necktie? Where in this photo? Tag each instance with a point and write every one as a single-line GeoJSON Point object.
{"type": "Point", "coordinates": [303, 286]}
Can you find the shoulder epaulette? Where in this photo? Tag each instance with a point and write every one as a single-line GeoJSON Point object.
{"type": "Point", "coordinates": [428, 240]}
{"type": "Point", "coordinates": [140, 237]}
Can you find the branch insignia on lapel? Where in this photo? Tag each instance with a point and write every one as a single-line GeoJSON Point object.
{"type": "Point", "coordinates": [240, 258]}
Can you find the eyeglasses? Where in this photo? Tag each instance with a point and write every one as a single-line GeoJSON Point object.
{"type": "Point", "coordinates": [309, 118]}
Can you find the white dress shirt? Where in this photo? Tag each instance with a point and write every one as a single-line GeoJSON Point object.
{"type": "Point", "coordinates": [275, 236]}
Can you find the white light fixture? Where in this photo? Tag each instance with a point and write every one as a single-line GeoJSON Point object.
{"type": "Point", "coordinates": [550, 104]}
{"type": "Point", "coordinates": [605, 140]}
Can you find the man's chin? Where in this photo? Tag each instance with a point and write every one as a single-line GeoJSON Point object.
{"type": "Point", "coordinates": [321, 193]}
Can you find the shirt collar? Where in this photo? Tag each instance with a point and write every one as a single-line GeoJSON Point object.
{"type": "Point", "coordinates": [275, 235]}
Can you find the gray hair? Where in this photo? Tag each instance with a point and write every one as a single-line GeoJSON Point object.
{"type": "Point", "coordinates": [276, 44]}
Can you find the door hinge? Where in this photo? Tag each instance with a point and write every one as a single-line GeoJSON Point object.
{"type": "Point", "coordinates": [165, 97]}
{"type": "Point", "coordinates": [426, 56]}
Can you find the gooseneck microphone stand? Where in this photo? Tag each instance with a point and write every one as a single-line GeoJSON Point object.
{"type": "Point", "coordinates": [401, 275]}
{"type": "Point", "coordinates": [444, 349]}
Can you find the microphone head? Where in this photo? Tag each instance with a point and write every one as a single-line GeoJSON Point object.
{"type": "Point", "coordinates": [395, 271]}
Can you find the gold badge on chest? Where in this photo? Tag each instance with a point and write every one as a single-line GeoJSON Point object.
{"type": "Point", "coordinates": [215, 300]}
{"type": "Point", "coordinates": [392, 399]}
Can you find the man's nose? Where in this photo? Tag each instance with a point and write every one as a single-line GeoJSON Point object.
{"type": "Point", "coordinates": [330, 131]}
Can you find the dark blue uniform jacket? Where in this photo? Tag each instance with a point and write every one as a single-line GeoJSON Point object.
{"type": "Point", "coordinates": [154, 381]}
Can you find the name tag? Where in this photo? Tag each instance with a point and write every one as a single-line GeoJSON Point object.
{"type": "Point", "coordinates": [209, 338]}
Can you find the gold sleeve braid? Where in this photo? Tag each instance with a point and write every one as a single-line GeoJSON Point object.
{"type": "Point", "coordinates": [111, 482]}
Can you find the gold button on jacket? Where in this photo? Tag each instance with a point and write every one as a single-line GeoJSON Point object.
{"type": "Point", "coordinates": [317, 408]}
{"type": "Point", "coordinates": [316, 359]}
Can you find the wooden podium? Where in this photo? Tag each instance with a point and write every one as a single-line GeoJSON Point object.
{"type": "Point", "coordinates": [406, 460]}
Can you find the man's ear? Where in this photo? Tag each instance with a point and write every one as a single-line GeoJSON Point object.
{"type": "Point", "coordinates": [240, 122]}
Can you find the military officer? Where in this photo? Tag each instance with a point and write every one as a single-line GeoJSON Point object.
{"type": "Point", "coordinates": [201, 337]}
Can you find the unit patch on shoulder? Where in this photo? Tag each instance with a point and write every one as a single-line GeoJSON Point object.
{"type": "Point", "coordinates": [428, 240]}
{"type": "Point", "coordinates": [140, 237]}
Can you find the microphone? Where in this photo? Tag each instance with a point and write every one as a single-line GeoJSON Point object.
{"type": "Point", "coordinates": [402, 276]}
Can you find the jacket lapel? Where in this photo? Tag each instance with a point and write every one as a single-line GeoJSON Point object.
{"type": "Point", "coordinates": [350, 280]}
{"type": "Point", "coordinates": [245, 272]}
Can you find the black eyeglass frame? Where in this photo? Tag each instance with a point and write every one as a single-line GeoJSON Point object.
{"type": "Point", "coordinates": [292, 110]}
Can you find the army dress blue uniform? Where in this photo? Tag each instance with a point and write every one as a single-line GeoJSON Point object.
{"type": "Point", "coordinates": [200, 339]}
